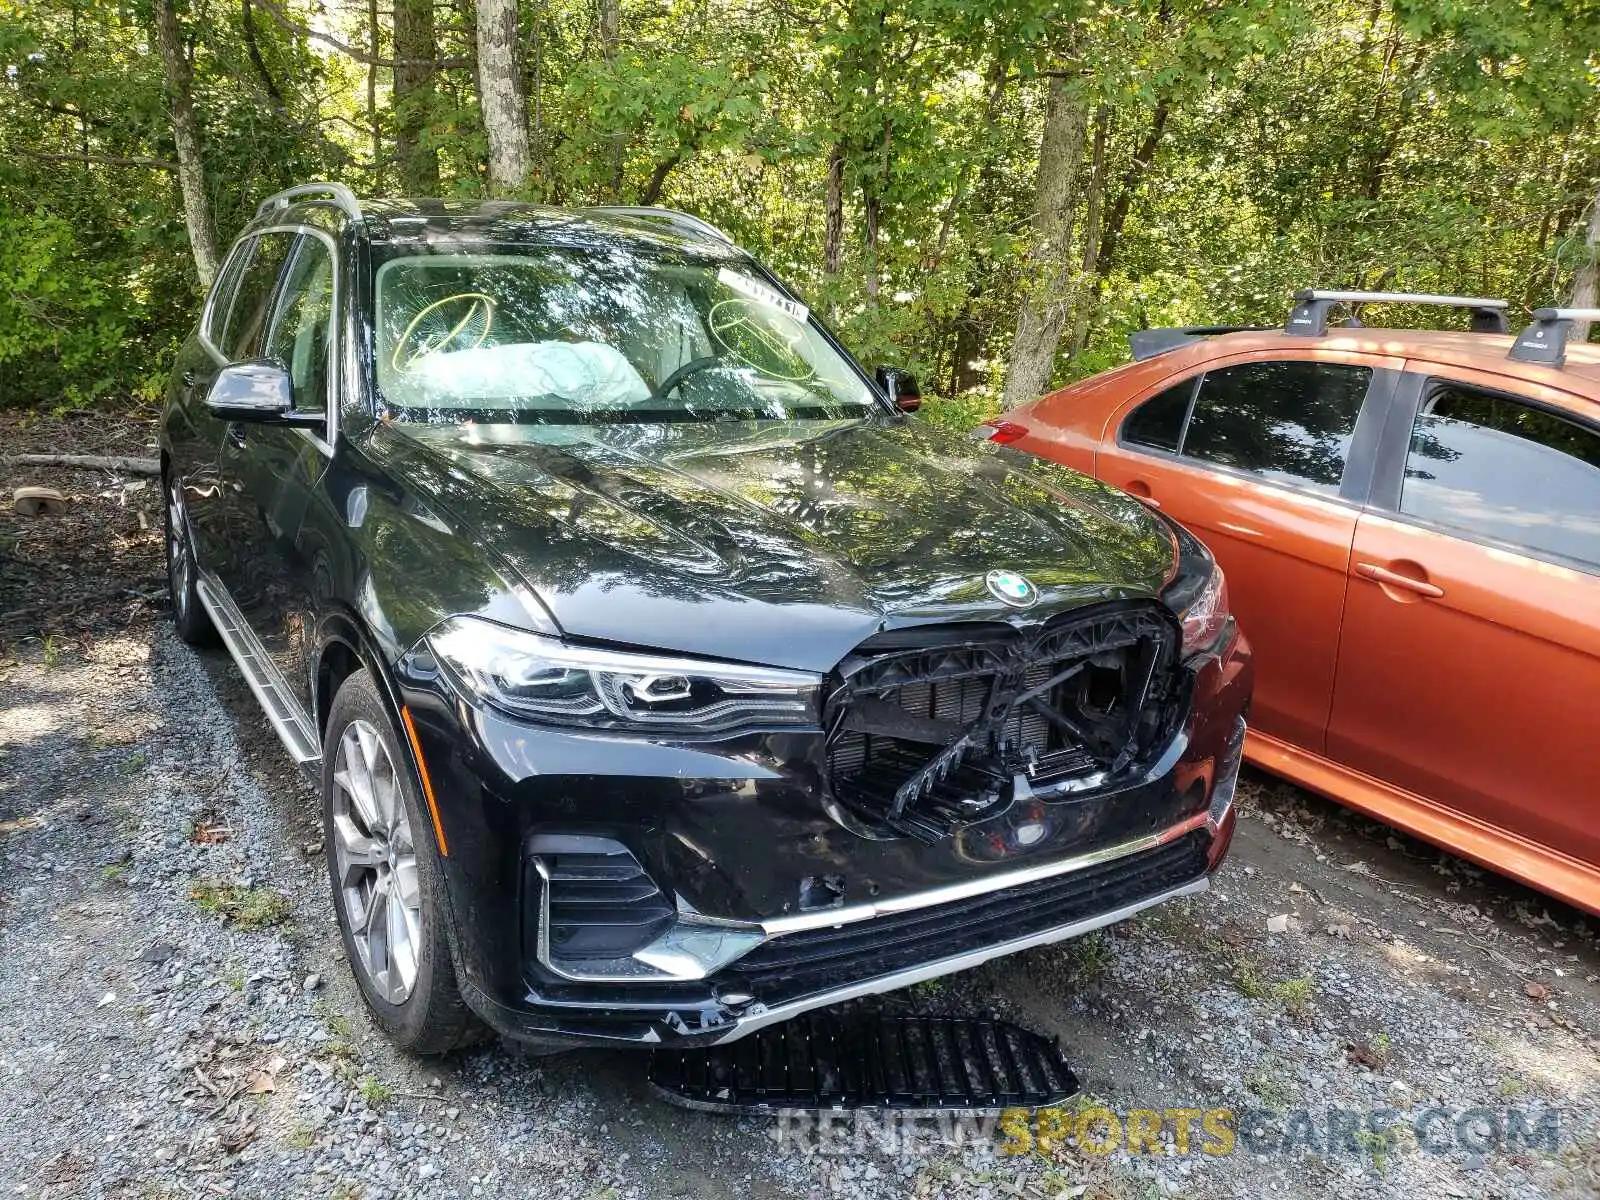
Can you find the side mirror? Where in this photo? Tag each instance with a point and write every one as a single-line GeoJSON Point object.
{"type": "Point", "coordinates": [258, 391]}
{"type": "Point", "coordinates": [901, 388]}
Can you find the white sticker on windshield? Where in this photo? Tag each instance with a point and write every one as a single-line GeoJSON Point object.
{"type": "Point", "coordinates": [754, 289]}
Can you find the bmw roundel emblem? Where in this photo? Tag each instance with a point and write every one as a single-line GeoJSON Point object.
{"type": "Point", "coordinates": [1010, 588]}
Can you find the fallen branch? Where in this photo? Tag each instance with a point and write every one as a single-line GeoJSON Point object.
{"type": "Point", "coordinates": [93, 462]}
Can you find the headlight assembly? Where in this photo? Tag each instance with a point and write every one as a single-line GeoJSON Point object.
{"type": "Point", "coordinates": [531, 675]}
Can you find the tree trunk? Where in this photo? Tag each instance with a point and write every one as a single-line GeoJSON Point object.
{"type": "Point", "coordinates": [415, 52]}
{"type": "Point", "coordinates": [186, 137]}
{"type": "Point", "coordinates": [1088, 293]}
{"type": "Point", "coordinates": [833, 212]}
{"type": "Point", "coordinates": [1583, 287]}
{"type": "Point", "coordinates": [372, 98]}
{"type": "Point", "coordinates": [502, 96]}
{"type": "Point", "coordinates": [610, 46]}
{"type": "Point", "coordinates": [871, 214]}
{"type": "Point", "coordinates": [1047, 286]}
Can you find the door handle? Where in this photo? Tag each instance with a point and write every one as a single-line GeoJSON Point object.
{"type": "Point", "coordinates": [1396, 579]}
{"type": "Point", "coordinates": [1140, 490]}
{"type": "Point", "coordinates": [190, 378]}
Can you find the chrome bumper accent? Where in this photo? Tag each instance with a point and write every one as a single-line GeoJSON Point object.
{"type": "Point", "coordinates": [759, 1016]}
{"type": "Point", "coordinates": [828, 918]}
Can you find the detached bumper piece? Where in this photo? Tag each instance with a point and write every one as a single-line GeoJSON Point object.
{"type": "Point", "coordinates": [829, 1060]}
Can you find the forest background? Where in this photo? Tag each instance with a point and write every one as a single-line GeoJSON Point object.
{"type": "Point", "coordinates": [992, 193]}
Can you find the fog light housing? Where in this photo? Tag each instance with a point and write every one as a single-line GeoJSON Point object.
{"type": "Point", "coordinates": [598, 917]}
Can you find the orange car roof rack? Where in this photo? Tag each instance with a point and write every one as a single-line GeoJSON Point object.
{"type": "Point", "coordinates": [1545, 341]}
{"type": "Point", "coordinates": [1309, 316]}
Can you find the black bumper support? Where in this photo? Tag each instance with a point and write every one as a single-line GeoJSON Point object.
{"type": "Point", "coordinates": [831, 1060]}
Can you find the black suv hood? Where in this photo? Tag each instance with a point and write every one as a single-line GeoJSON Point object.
{"type": "Point", "coordinates": [774, 542]}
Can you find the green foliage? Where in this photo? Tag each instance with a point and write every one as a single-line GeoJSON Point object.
{"type": "Point", "coordinates": [244, 907]}
{"type": "Point", "coordinates": [1250, 148]}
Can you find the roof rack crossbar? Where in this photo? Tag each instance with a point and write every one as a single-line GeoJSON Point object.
{"type": "Point", "coordinates": [1309, 317]}
{"type": "Point", "coordinates": [684, 221]}
{"type": "Point", "coordinates": [337, 192]}
{"type": "Point", "coordinates": [1545, 341]}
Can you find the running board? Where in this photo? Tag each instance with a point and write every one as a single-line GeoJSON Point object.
{"type": "Point", "coordinates": [829, 1060]}
{"type": "Point", "coordinates": [296, 730]}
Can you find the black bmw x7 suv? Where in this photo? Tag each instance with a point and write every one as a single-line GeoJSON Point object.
{"type": "Point", "coordinates": [662, 676]}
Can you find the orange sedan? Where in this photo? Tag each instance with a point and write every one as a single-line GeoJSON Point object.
{"type": "Point", "coordinates": [1410, 526]}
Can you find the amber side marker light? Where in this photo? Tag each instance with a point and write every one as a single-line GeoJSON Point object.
{"type": "Point", "coordinates": [1001, 432]}
{"type": "Point", "coordinates": [427, 783]}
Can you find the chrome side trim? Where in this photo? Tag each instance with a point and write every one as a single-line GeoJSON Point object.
{"type": "Point", "coordinates": [977, 887]}
{"type": "Point", "coordinates": [760, 1016]}
{"type": "Point", "coordinates": [290, 721]}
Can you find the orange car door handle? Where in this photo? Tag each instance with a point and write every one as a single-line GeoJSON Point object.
{"type": "Point", "coordinates": [1140, 490]}
{"type": "Point", "coordinates": [1395, 579]}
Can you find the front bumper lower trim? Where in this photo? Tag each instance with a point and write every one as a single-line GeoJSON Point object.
{"type": "Point", "coordinates": [759, 1016]}
{"type": "Point", "coordinates": [828, 918]}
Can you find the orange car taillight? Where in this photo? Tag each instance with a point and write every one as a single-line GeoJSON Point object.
{"type": "Point", "coordinates": [1001, 432]}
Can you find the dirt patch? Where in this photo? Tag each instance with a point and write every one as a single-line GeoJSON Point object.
{"type": "Point", "coordinates": [95, 568]}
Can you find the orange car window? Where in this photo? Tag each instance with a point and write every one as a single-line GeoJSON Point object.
{"type": "Point", "coordinates": [1289, 421]}
{"type": "Point", "coordinates": [1485, 464]}
{"type": "Point", "coordinates": [1158, 422]}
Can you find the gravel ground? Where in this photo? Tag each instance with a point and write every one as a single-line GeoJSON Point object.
{"type": "Point", "coordinates": [179, 1020]}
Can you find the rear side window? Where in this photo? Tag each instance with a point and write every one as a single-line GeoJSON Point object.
{"type": "Point", "coordinates": [1286, 421]}
{"type": "Point", "coordinates": [247, 309]}
{"type": "Point", "coordinates": [1158, 422]}
{"type": "Point", "coordinates": [1491, 466]}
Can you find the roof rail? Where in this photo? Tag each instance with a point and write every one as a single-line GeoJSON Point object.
{"type": "Point", "coordinates": [1545, 341]}
{"type": "Point", "coordinates": [682, 220]}
{"type": "Point", "coordinates": [1147, 343]}
{"type": "Point", "coordinates": [337, 192]}
{"type": "Point", "coordinates": [1309, 317]}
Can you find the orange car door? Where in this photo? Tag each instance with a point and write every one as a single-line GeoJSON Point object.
{"type": "Point", "coordinates": [1266, 459]}
{"type": "Point", "coordinates": [1469, 668]}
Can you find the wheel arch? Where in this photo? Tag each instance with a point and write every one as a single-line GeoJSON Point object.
{"type": "Point", "coordinates": [345, 646]}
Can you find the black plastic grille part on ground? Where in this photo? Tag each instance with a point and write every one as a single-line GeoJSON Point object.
{"type": "Point", "coordinates": [829, 1060]}
{"type": "Point", "coordinates": [813, 960]}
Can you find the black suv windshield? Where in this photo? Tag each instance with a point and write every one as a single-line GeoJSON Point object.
{"type": "Point", "coordinates": [558, 335]}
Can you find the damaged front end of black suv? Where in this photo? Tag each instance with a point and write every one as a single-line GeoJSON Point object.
{"type": "Point", "coordinates": [663, 677]}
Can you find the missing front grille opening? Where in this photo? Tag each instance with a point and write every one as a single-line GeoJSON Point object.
{"type": "Point", "coordinates": [925, 739]}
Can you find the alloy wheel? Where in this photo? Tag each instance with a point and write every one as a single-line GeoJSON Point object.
{"type": "Point", "coordinates": [376, 862]}
{"type": "Point", "coordinates": [180, 562]}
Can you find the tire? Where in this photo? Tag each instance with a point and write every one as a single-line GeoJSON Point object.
{"type": "Point", "coordinates": [189, 616]}
{"type": "Point", "coordinates": [379, 842]}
